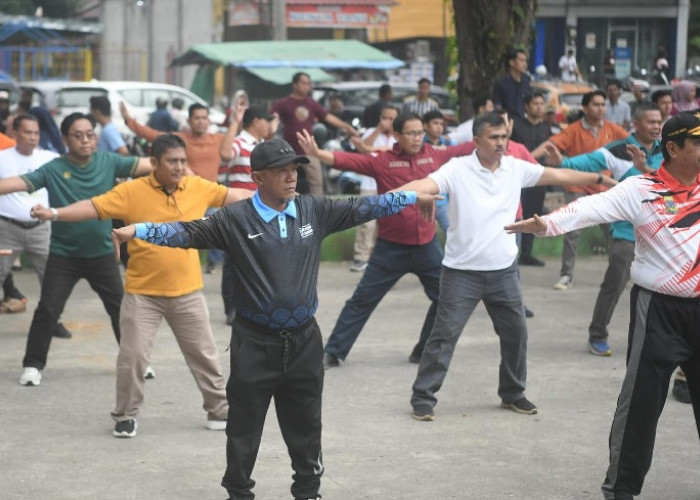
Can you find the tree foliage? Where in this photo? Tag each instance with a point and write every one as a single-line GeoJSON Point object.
{"type": "Point", "coordinates": [485, 30]}
{"type": "Point", "coordinates": [52, 8]}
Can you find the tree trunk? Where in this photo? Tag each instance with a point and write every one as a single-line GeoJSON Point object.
{"type": "Point", "coordinates": [485, 30]}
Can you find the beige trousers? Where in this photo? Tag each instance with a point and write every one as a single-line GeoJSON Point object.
{"type": "Point", "coordinates": [188, 317]}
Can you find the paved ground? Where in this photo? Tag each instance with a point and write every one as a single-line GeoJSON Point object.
{"type": "Point", "coordinates": [55, 440]}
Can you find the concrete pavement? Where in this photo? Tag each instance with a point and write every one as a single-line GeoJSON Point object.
{"type": "Point", "coordinates": [56, 443]}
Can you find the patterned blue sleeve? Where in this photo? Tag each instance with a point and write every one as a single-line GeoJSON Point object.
{"type": "Point", "coordinates": [168, 234]}
{"type": "Point", "coordinates": [343, 214]}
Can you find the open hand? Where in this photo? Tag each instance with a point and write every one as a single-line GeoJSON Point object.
{"type": "Point", "coordinates": [426, 204]}
{"type": "Point", "coordinates": [124, 111]}
{"type": "Point", "coordinates": [307, 143]}
{"type": "Point", "coordinates": [535, 225]}
{"type": "Point", "coordinates": [609, 181]}
{"type": "Point", "coordinates": [554, 157]}
{"type": "Point", "coordinates": [639, 158]}
{"type": "Point", "coordinates": [121, 235]}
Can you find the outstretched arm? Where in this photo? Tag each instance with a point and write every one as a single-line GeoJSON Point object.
{"type": "Point", "coordinates": [80, 210]}
{"type": "Point", "coordinates": [226, 149]}
{"type": "Point", "coordinates": [237, 194]}
{"type": "Point", "coordinates": [331, 119]}
{"type": "Point", "coordinates": [567, 177]}
{"type": "Point", "coordinates": [308, 144]}
{"type": "Point", "coordinates": [141, 130]}
{"type": "Point", "coordinates": [12, 185]}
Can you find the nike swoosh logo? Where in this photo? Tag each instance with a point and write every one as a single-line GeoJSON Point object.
{"type": "Point", "coordinates": [253, 236]}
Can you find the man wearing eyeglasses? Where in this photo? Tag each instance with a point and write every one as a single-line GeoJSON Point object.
{"type": "Point", "coordinates": [77, 250]}
{"type": "Point", "coordinates": [405, 242]}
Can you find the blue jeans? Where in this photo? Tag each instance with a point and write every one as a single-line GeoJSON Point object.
{"type": "Point", "coordinates": [388, 263]}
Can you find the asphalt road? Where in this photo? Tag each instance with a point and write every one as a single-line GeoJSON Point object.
{"type": "Point", "coordinates": [56, 443]}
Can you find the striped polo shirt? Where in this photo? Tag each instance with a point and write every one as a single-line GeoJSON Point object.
{"type": "Point", "coordinates": [236, 173]}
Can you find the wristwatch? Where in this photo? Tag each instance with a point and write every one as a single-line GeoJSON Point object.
{"type": "Point", "coordinates": [55, 214]}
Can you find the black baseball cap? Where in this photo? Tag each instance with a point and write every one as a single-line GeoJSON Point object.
{"type": "Point", "coordinates": [274, 153]}
{"type": "Point", "coordinates": [254, 112]}
{"type": "Point", "coordinates": [684, 124]}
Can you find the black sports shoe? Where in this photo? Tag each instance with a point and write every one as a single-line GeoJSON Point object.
{"type": "Point", "coordinates": [125, 429]}
{"type": "Point", "coordinates": [680, 391]}
{"type": "Point", "coordinates": [528, 312]}
{"type": "Point", "coordinates": [423, 413]}
{"type": "Point", "coordinates": [61, 332]}
{"type": "Point", "coordinates": [330, 361]}
{"type": "Point", "coordinates": [522, 405]}
{"type": "Point", "coordinates": [529, 260]}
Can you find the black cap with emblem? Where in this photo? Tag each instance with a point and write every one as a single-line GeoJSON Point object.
{"type": "Point", "coordinates": [274, 153]}
{"type": "Point", "coordinates": [684, 124]}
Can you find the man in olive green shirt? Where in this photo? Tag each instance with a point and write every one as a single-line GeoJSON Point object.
{"type": "Point", "coordinates": [77, 250]}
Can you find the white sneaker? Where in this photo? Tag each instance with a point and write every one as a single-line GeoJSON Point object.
{"type": "Point", "coordinates": [564, 283]}
{"type": "Point", "coordinates": [30, 376]}
{"type": "Point", "coordinates": [149, 373]}
{"type": "Point", "coordinates": [216, 425]}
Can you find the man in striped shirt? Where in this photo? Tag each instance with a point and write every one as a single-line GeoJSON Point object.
{"type": "Point", "coordinates": [420, 103]}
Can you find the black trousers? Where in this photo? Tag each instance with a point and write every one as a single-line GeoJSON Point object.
{"type": "Point", "coordinates": [62, 273]}
{"type": "Point", "coordinates": [532, 200]}
{"type": "Point", "coordinates": [287, 366]}
{"type": "Point", "coordinates": [663, 334]}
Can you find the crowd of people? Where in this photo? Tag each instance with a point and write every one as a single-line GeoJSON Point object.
{"type": "Point", "coordinates": [237, 194]}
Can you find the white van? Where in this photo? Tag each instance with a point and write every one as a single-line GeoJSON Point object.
{"type": "Point", "coordinates": [63, 98]}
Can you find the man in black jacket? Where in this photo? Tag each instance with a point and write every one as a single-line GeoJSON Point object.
{"type": "Point", "coordinates": [274, 242]}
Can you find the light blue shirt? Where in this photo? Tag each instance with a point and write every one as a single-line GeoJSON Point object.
{"type": "Point", "coordinates": [110, 139]}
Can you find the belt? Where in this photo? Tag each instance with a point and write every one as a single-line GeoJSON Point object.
{"type": "Point", "coordinates": [19, 223]}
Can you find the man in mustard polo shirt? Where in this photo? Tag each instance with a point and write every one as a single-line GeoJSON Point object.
{"type": "Point", "coordinates": [161, 282]}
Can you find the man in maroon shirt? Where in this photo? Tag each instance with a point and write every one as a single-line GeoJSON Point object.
{"type": "Point", "coordinates": [299, 112]}
{"type": "Point", "coordinates": [406, 243]}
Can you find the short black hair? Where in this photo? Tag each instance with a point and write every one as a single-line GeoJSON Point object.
{"type": "Point", "coordinates": [178, 103]}
{"type": "Point", "coordinates": [613, 81]}
{"type": "Point", "coordinates": [490, 119]}
{"type": "Point", "coordinates": [480, 102]}
{"type": "Point", "coordinates": [433, 114]}
{"type": "Point", "coordinates": [194, 107]}
{"type": "Point", "coordinates": [588, 97]}
{"type": "Point", "coordinates": [513, 52]}
{"type": "Point", "coordinates": [101, 103]}
{"type": "Point", "coordinates": [402, 119]}
{"type": "Point", "coordinates": [532, 95]}
{"type": "Point", "coordinates": [424, 80]}
{"type": "Point", "coordinates": [17, 122]}
{"type": "Point", "coordinates": [390, 106]}
{"type": "Point", "coordinates": [297, 76]}
{"type": "Point", "coordinates": [69, 120]}
{"type": "Point", "coordinates": [659, 94]}
{"type": "Point", "coordinates": [166, 142]}
{"type": "Point", "coordinates": [384, 90]}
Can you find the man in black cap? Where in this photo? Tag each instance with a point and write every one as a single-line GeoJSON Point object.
{"type": "Point", "coordinates": [274, 240]}
{"type": "Point", "coordinates": [663, 206]}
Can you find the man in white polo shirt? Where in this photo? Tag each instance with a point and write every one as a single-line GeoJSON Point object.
{"type": "Point", "coordinates": [18, 231]}
{"type": "Point", "coordinates": [481, 259]}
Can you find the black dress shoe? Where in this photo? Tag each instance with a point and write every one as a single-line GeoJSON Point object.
{"type": "Point", "coordinates": [330, 361]}
{"type": "Point", "coordinates": [62, 332]}
{"type": "Point", "coordinates": [528, 312]}
{"type": "Point", "coordinates": [529, 260]}
{"type": "Point", "coordinates": [681, 392]}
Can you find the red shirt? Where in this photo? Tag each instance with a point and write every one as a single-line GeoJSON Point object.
{"type": "Point", "coordinates": [392, 169]}
{"type": "Point", "coordinates": [297, 115]}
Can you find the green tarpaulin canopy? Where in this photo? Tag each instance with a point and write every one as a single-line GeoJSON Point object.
{"type": "Point", "coordinates": [282, 76]}
{"type": "Point", "coordinates": [323, 54]}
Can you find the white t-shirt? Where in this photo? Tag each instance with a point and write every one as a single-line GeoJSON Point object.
{"type": "Point", "coordinates": [463, 133]}
{"type": "Point", "coordinates": [567, 65]}
{"type": "Point", "coordinates": [481, 203]}
{"type": "Point", "coordinates": [17, 205]}
{"type": "Point", "coordinates": [368, 183]}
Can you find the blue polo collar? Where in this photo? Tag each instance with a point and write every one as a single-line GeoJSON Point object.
{"type": "Point", "coordinates": [267, 213]}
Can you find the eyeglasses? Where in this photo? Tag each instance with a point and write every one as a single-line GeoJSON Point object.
{"type": "Point", "coordinates": [413, 134]}
{"type": "Point", "coordinates": [80, 136]}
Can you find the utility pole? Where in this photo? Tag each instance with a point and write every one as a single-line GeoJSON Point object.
{"type": "Point", "coordinates": [279, 19]}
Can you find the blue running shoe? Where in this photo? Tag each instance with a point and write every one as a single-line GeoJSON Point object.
{"type": "Point", "coordinates": [599, 348]}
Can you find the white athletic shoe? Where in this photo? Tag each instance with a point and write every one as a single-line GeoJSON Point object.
{"type": "Point", "coordinates": [215, 424]}
{"type": "Point", "coordinates": [149, 373]}
{"type": "Point", "coordinates": [30, 376]}
{"type": "Point", "coordinates": [564, 283]}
